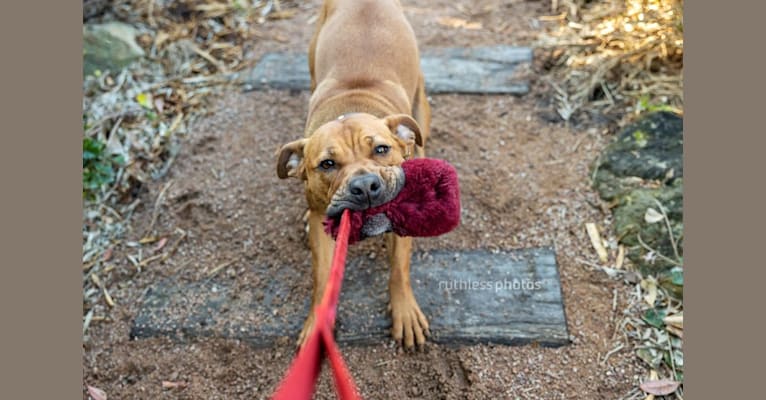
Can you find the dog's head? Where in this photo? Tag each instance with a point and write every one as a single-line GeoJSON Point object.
{"type": "Point", "coordinates": [352, 162]}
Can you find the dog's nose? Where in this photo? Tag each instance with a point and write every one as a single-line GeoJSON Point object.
{"type": "Point", "coordinates": [365, 188]}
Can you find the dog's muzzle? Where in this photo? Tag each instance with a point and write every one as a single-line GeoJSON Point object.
{"type": "Point", "coordinates": [368, 190]}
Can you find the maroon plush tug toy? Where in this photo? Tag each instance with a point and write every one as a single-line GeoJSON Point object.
{"type": "Point", "coordinates": [427, 205]}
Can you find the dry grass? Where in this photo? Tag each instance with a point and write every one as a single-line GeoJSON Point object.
{"type": "Point", "coordinates": [618, 57]}
{"type": "Point", "coordinates": [652, 320]}
{"type": "Point", "coordinates": [193, 48]}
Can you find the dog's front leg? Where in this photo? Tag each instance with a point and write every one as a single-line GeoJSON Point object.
{"type": "Point", "coordinates": [322, 247]}
{"type": "Point", "coordinates": [408, 322]}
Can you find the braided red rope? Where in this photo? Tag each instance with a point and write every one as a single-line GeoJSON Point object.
{"type": "Point", "coordinates": [300, 380]}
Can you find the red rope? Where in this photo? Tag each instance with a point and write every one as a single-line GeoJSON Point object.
{"type": "Point", "coordinates": [301, 378]}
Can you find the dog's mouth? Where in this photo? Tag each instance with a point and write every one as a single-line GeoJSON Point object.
{"type": "Point", "coordinates": [368, 190]}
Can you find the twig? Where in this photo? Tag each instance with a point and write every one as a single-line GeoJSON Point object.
{"type": "Point", "coordinates": [150, 259]}
{"type": "Point", "coordinates": [547, 18]}
{"type": "Point", "coordinates": [134, 262]}
{"type": "Point", "coordinates": [116, 126]}
{"type": "Point", "coordinates": [96, 281]}
{"type": "Point", "coordinates": [219, 267]}
{"type": "Point", "coordinates": [86, 321]}
{"type": "Point", "coordinates": [595, 169]}
{"type": "Point", "coordinates": [112, 211]}
{"type": "Point", "coordinates": [672, 361]}
{"type": "Point", "coordinates": [89, 265]}
{"type": "Point", "coordinates": [610, 352]}
{"type": "Point", "coordinates": [108, 298]}
{"type": "Point", "coordinates": [212, 60]}
{"type": "Point", "coordinates": [150, 15]}
{"type": "Point", "coordinates": [647, 247]}
{"type": "Point", "coordinates": [157, 204]}
{"type": "Point", "coordinates": [670, 230]}
{"type": "Point", "coordinates": [609, 271]}
{"type": "Point", "coordinates": [620, 257]}
{"type": "Point", "coordinates": [173, 248]}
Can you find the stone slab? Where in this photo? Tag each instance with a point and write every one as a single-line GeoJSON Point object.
{"type": "Point", "coordinates": [478, 70]}
{"type": "Point", "coordinates": [510, 298]}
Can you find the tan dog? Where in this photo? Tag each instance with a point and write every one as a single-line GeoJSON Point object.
{"type": "Point", "coordinates": [368, 113]}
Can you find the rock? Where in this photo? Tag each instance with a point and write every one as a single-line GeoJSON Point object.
{"type": "Point", "coordinates": [629, 223]}
{"type": "Point", "coordinates": [648, 149]}
{"type": "Point", "coordinates": [644, 164]}
{"type": "Point", "coordinates": [94, 8]}
{"type": "Point", "coordinates": [109, 47]}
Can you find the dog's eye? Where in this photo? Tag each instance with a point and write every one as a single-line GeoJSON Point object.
{"type": "Point", "coordinates": [382, 149]}
{"type": "Point", "coordinates": [327, 164]}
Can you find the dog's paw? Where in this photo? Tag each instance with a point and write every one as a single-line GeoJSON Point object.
{"type": "Point", "coordinates": [409, 324]}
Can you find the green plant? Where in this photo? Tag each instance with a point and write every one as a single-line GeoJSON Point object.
{"type": "Point", "coordinates": [644, 105]}
{"type": "Point", "coordinates": [98, 167]}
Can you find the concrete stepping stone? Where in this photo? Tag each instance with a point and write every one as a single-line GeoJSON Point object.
{"type": "Point", "coordinates": [510, 298]}
{"type": "Point", "coordinates": [477, 70]}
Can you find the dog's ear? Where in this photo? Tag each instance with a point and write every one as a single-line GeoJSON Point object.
{"type": "Point", "coordinates": [290, 160]}
{"type": "Point", "coordinates": [405, 127]}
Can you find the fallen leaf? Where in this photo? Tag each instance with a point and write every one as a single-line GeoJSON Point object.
{"type": "Point", "coordinates": [96, 393]}
{"type": "Point", "coordinates": [654, 317]}
{"type": "Point", "coordinates": [652, 216]}
{"type": "Point", "coordinates": [148, 239]}
{"type": "Point", "coordinates": [160, 39]}
{"type": "Point", "coordinates": [595, 240]}
{"type": "Point", "coordinates": [280, 38]}
{"type": "Point", "coordinates": [673, 282]}
{"type": "Point", "coordinates": [88, 266]}
{"type": "Point", "coordinates": [107, 254]}
{"type": "Point", "coordinates": [161, 244]}
{"type": "Point", "coordinates": [458, 23]}
{"type": "Point", "coordinates": [108, 298]}
{"type": "Point", "coordinates": [172, 385]}
{"type": "Point", "coordinates": [660, 387]}
{"type": "Point", "coordinates": [675, 320]}
{"type": "Point", "coordinates": [145, 100]}
{"type": "Point", "coordinates": [652, 376]}
{"type": "Point", "coordinates": [159, 104]}
{"type": "Point", "coordinates": [675, 331]}
{"type": "Point", "coordinates": [677, 276]}
{"type": "Point", "coordinates": [648, 356]}
{"type": "Point", "coordinates": [620, 257]}
{"type": "Point", "coordinates": [114, 143]}
{"type": "Point", "coordinates": [650, 286]}
{"type": "Point", "coordinates": [96, 280]}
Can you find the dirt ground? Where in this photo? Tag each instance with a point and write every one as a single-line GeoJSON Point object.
{"type": "Point", "coordinates": [524, 182]}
